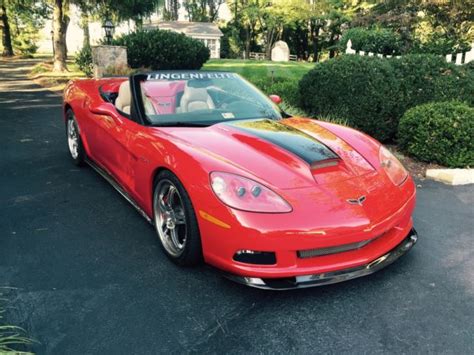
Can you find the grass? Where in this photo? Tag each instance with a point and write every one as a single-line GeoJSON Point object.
{"type": "Point", "coordinates": [43, 75]}
{"type": "Point", "coordinates": [11, 336]}
{"type": "Point", "coordinates": [260, 69]}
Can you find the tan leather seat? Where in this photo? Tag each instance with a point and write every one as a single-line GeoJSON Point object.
{"type": "Point", "coordinates": [195, 99]}
{"type": "Point", "coordinates": [124, 99]}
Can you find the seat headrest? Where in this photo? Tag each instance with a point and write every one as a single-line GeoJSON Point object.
{"type": "Point", "coordinates": [124, 98]}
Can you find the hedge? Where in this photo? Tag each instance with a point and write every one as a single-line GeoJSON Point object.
{"type": "Point", "coordinates": [163, 50]}
{"type": "Point", "coordinates": [362, 90]}
{"type": "Point", "coordinates": [425, 78]}
{"type": "Point", "coordinates": [441, 132]}
{"type": "Point", "coordinates": [373, 93]}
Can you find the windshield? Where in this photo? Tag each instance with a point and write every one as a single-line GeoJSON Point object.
{"type": "Point", "coordinates": [203, 98]}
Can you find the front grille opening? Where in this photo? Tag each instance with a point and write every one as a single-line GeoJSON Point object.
{"type": "Point", "coordinates": [255, 257]}
{"type": "Point", "coordinates": [311, 253]}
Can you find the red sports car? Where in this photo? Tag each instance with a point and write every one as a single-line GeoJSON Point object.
{"type": "Point", "coordinates": [225, 176]}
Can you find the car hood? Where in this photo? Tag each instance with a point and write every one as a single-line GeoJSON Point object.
{"type": "Point", "coordinates": [287, 154]}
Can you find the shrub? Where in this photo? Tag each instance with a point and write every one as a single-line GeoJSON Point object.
{"type": "Point", "coordinates": [440, 132]}
{"type": "Point", "coordinates": [383, 41]}
{"type": "Point", "coordinates": [362, 90]}
{"type": "Point", "coordinates": [425, 78]}
{"type": "Point", "coordinates": [287, 89]}
{"type": "Point", "coordinates": [161, 50]}
{"type": "Point", "coordinates": [84, 60]}
{"type": "Point", "coordinates": [469, 66]}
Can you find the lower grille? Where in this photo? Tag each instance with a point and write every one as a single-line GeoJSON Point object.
{"type": "Point", "coordinates": [311, 253]}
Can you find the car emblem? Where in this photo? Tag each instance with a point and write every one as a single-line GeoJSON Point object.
{"type": "Point", "coordinates": [357, 201]}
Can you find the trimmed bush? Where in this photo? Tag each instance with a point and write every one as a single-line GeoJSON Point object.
{"type": "Point", "coordinates": [84, 60]}
{"type": "Point", "coordinates": [441, 132]}
{"type": "Point", "coordinates": [361, 90]}
{"type": "Point", "coordinates": [425, 78]}
{"type": "Point", "coordinates": [383, 41]}
{"type": "Point", "coordinates": [163, 50]}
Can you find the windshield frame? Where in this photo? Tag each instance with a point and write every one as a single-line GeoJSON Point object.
{"type": "Point", "coordinates": [138, 107]}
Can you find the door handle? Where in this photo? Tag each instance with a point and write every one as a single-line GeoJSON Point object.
{"type": "Point", "coordinates": [108, 119]}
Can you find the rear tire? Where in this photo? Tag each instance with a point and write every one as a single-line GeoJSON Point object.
{"type": "Point", "coordinates": [76, 148]}
{"type": "Point", "coordinates": [175, 221]}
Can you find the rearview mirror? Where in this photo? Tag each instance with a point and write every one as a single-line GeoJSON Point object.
{"type": "Point", "coordinates": [103, 108]}
{"type": "Point", "coordinates": [276, 99]}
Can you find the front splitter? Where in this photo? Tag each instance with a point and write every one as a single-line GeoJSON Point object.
{"type": "Point", "coordinates": [289, 283]}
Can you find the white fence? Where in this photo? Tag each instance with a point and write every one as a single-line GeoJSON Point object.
{"type": "Point", "coordinates": [262, 56]}
{"type": "Point", "coordinates": [456, 58]}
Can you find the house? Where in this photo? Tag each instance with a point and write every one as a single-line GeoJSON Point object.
{"type": "Point", "coordinates": [206, 32]}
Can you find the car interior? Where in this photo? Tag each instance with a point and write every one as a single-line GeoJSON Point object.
{"type": "Point", "coordinates": [189, 100]}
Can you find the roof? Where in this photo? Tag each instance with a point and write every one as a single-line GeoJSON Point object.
{"type": "Point", "coordinates": [188, 28]}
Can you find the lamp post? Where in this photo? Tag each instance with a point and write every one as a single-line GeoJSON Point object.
{"type": "Point", "coordinates": [109, 29]}
{"type": "Point", "coordinates": [52, 41]}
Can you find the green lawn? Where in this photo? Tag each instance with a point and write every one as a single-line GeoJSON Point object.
{"type": "Point", "coordinates": [259, 69]}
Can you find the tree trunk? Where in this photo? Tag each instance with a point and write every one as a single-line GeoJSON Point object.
{"type": "Point", "coordinates": [86, 41]}
{"type": "Point", "coordinates": [315, 40]}
{"type": "Point", "coordinates": [60, 24]}
{"type": "Point", "coordinates": [247, 41]}
{"type": "Point", "coordinates": [6, 35]}
{"type": "Point", "coordinates": [332, 41]}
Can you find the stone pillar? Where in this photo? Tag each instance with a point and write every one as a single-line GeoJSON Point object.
{"type": "Point", "coordinates": [108, 56]}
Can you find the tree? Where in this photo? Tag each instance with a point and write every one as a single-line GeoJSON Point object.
{"type": "Point", "coordinates": [6, 33]}
{"type": "Point", "coordinates": [202, 10]}
{"type": "Point", "coordinates": [60, 24]}
{"type": "Point", "coordinates": [452, 20]}
{"type": "Point", "coordinates": [120, 10]}
{"type": "Point", "coordinates": [170, 11]}
{"type": "Point", "coordinates": [19, 23]}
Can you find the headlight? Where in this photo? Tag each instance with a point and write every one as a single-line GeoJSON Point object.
{"type": "Point", "coordinates": [392, 166]}
{"type": "Point", "coordinates": [245, 194]}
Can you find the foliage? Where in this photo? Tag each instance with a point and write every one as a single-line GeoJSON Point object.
{"type": "Point", "coordinates": [440, 132]}
{"type": "Point", "coordinates": [20, 21]}
{"type": "Point", "coordinates": [287, 89]}
{"type": "Point", "coordinates": [363, 90]}
{"type": "Point", "coordinates": [377, 40]}
{"type": "Point", "coordinates": [425, 78]}
{"type": "Point", "coordinates": [24, 44]}
{"type": "Point", "coordinates": [202, 10]}
{"type": "Point", "coordinates": [11, 336]}
{"type": "Point", "coordinates": [84, 60]}
{"type": "Point", "coordinates": [450, 23]}
{"type": "Point", "coordinates": [161, 50]}
{"type": "Point", "coordinates": [230, 42]}
{"type": "Point", "coordinates": [119, 70]}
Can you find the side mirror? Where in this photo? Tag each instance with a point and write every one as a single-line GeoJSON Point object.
{"type": "Point", "coordinates": [103, 108]}
{"type": "Point", "coordinates": [276, 99]}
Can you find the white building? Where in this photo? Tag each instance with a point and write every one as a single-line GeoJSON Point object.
{"type": "Point", "coordinates": [75, 34]}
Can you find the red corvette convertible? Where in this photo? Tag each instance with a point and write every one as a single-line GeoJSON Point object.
{"type": "Point", "coordinates": [225, 176]}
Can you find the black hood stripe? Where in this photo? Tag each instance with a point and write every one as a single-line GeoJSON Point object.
{"type": "Point", "coordinates": [297, 142]}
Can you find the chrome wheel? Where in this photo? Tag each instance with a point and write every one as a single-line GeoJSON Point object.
{"type": "Point", "coordinates": [72, 138]}
{"type": "Point", "coordinates": [169, 217]}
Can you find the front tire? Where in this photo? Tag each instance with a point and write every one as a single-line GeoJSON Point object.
{"type": "Point", "coordinates": [76, 148]}
{"type": "Point", "coordinates": [175, 220]}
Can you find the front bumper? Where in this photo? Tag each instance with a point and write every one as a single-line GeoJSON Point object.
{"type": "Point", "coordinates": [327, 278]}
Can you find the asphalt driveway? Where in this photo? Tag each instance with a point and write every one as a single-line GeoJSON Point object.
{"type": "Point", "coordinates": [91, 278]}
